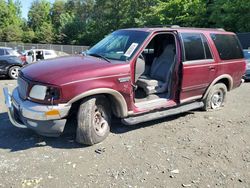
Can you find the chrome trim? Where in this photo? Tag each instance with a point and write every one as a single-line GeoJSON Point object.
{"type": "Point", "coordinates": [10, 109]}
{"type": "Point", "coordinates": [31, 110]}
{"type": "Point", "coordinates": [124, 79]}
{"type": "Point", "coordinates": [206, 62]}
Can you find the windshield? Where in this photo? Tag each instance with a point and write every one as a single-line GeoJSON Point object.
{"type": "Point", "coordinates": [12, 52]}
{"type": "Point", "coordinates": [119, 45]}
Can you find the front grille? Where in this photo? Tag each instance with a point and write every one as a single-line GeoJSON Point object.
{"type": "Point", "coordinates": [22, 87]}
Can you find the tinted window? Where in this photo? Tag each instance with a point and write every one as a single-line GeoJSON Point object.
{"type": "Point", "coordinates": [1, 51]}
{"type": "Point", "coordinates": [207, 49]}
{"type": "Point", "coordinates": [193, 46]}
{"type": "Point", "coordinates": [228, 46]}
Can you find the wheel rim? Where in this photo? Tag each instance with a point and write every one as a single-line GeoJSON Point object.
{"type": "Point", "coordinates": [217, 99]}
{"type": "Point", "coordinates": [14, 72]}
{"type": "Point", "coordinates": [100, 121]}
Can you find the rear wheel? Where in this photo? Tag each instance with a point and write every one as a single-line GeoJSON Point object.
{"type": "Point", "coordinates": [13, 72]}
{"type": "Point", "coordinates": [94, 117]}
{"type": "Point", "coordinates": [216, 97]}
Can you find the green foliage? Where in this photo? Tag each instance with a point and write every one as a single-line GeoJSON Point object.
{"type": "Point", "coordinates": [12, 33]}
{"type": "Point", "coordinates": [45, 33]}
{"type": "Point", "coordinates": [87, 21]}
{"type": "Point", "coordinates": [39, 14]}
{"type": "Point", "coordinates": [232, 15]}
{"type": "Point", "coordinates": [178, 12]}
{"type": "Point", "coordinates": [28, 36]}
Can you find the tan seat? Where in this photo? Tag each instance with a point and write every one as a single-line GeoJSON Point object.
{"type": "Point", "coordinates": [160, 72]}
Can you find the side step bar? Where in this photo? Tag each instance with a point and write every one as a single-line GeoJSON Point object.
{"type": "Point", "coordinates": [160, 114]}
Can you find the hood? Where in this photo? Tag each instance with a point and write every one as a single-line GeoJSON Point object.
{"type": "Point", "coordinates": [60, 71]}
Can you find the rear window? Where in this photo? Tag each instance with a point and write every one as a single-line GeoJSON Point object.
{"type": "Point", "coordinates": [195, 47]}
{"type": "Point", "coordinates": [228, 46]}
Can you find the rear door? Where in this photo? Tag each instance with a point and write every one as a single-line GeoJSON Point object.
{"type": "Point", "coordinates": [199, 67]}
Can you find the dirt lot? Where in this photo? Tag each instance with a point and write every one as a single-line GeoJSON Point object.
{"type": "Point", "coordinates": [196, 149]}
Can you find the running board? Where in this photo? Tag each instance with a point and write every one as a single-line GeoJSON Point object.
{"type": "Point", "coordinates": [160, 114]}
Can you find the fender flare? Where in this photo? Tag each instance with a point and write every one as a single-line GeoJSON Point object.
{"type": "Point", "coordinates": [224, 76]}
{"type": "Point", "coordinates": [120, 108]}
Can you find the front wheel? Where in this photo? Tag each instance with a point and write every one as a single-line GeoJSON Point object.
{"type": "Point", "coordinates": [94, 118]}
{"type": "Point", "coordinates": [13, 72]}
{"type": "Point", "coordinates": [216, 97]}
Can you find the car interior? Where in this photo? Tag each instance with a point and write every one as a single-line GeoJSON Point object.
{"type": "Point", "coordinates": [153, 70]}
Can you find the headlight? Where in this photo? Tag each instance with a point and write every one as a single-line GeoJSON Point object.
{"type": "Point", "coordinates": [44, 93]}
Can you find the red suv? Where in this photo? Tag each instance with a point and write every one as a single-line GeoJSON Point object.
{"type": "Point", "coordinates": [137, 75]}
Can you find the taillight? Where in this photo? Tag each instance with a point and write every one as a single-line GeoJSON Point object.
{"type": "Point", "coordinates": [23, 58]}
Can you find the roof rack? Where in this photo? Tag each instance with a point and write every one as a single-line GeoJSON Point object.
{"type": "Point", "coordinates": [177, 26]}
{"type": "Point", "coordinates": [159, 26]}
{"type": "Point", "coordinates": [221, 29]}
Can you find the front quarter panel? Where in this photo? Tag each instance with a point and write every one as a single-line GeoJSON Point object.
{"type": "Point", "coordinates": [119, 83]}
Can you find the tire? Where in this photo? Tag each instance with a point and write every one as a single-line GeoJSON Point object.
{"type": "Point", "coordinates": [93, 120]}
{"type": "Point", "coordinates": [216, 97]}
{"type": "Point", "coordinates": [13, 72]}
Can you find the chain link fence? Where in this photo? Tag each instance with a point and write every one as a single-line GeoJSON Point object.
{"type": "Point", "coordinates": [69, 49]}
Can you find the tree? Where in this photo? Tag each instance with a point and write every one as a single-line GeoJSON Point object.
{"type": "Point", "coordinates": [178, 12]}
{"type": "Point", "coordinates": [39, 14]}
{"type": "Point", "coordinates": [232, 15]}
{"type": "Point", "coordinates": [12, 33]}
{"type": "Point", "coordinates": [28, 36]}
{"type": "Point", "coordinates": [45, 33]}
{"type": "Point", "coordinates": [10, 21]}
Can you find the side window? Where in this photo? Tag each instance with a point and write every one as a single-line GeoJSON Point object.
{"type": "Point", "coordinates": [207, 49]}
{"type": "Point", "coordinates": [47, 53]}
{"type": "Point", "coordinates": [1, 51]}
{"type": "Point", "coordinates": [227, 46]}
{"type": "Point", "coordinates": [195, 47]}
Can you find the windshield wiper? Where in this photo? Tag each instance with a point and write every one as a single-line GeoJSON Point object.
{"type": "Point", "coordinates": [101, 56]}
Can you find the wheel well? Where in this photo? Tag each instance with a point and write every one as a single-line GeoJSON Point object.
{"type": "Point", "coordinates": [115, 106]}
{"type": "Point", "coordinates": [226, 82]}
{"type": "Point", "coordinates": [13, 66]}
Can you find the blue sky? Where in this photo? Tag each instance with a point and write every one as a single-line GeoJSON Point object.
{"type": "Point", "coordinates": [26, 6]}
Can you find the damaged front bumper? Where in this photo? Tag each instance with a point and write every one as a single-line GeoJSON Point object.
{"type": "Point", "coordinates": [46, 120]}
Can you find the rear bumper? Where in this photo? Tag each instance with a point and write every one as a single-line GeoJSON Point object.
{"type": "Point", "coordinates": [27, 114]}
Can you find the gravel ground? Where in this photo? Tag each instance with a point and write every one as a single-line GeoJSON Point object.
{"type": "Point", "coordinates": [195, 149]}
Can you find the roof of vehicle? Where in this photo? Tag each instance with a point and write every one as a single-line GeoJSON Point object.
{"type": "Point", "coordinates": [153, 29]}
{"type": "Point", "coordinates": [7, 48]}
{"type": "Point", "coordinates": [41, 49]}
{"type": "Point", "coordinates": [8, 57]}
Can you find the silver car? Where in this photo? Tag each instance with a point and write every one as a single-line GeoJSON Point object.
{"type": "Point", "coordinates": [247, 56]}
